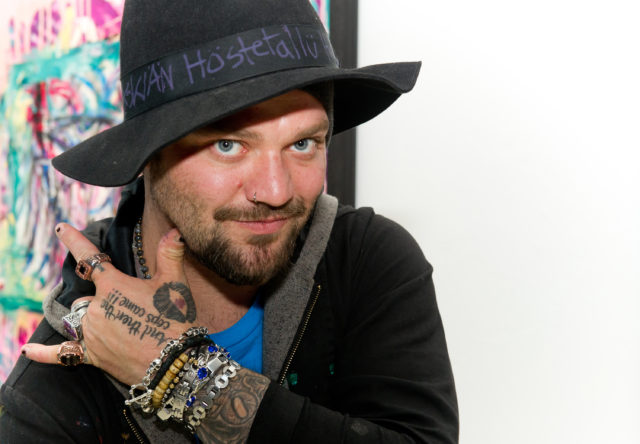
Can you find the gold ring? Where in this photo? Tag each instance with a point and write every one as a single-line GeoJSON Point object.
{"type": "Point", "coordinates": [70, 354]}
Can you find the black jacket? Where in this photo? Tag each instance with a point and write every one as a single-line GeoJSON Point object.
{"type": "Point", "coordinates": [368, 363]}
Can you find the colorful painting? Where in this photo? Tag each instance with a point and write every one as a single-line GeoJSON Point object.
{"type": "Point", "coordinates": [58, 25]}
{"type": "Point", "coordinates": [61, 87]}
{"type": "Point", "coordinates": [16, 327]}
{"type": "Point", "coordinates": [322, 8]}
{"type": "Point", "coordinates": [51, 104]}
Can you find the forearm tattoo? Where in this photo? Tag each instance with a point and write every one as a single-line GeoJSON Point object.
{"type": "Point", "coordinates": [173, 302]}
{"type": "Point", "coordinates": [233, 411]}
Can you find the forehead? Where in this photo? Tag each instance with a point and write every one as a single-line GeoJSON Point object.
{"type": "Point", "coordinates": [296, 104]}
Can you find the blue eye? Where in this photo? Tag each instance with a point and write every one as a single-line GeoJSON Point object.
{"type": "Point", "coordinates": [227, 146]}
{"type": "Point", "coordinates": [303, 145]}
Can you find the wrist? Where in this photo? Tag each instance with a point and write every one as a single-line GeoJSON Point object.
{"type": "Point", "coordinates": [182, 383]}
{"type": "Point", "coordinates": [232, 413]}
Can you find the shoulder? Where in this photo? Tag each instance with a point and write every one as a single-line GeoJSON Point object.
{"type": "Point", "coordinates": [372, 258]}
{"type": "Point", "coordinates": [369, 236]}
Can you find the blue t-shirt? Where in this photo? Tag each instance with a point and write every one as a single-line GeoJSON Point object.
{"type": "Point", "coordinates": [244, 338]}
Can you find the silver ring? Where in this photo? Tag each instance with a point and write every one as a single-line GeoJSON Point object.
{"type": "Point", "coordinates": [254, 198]}
{"type": "Point", "coordinates": [77, 306]}
{"type": "Point", "coordinates": [72, 322]}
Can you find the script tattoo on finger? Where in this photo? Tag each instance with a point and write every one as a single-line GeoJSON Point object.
{"type": "Point", "coordinates": [137, 320]}
{"type": "Point", "coordinates": [174, 301]}
{"type": "Point", "coordinates": [99, 267]}
{"type": "Point", "coordinates": [233, 412]}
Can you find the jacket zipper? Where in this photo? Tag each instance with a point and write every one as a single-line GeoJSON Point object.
{"type": "Point", "coordinates": [299, 335]}
{"type": "Point", "coordinates": [132, 427]}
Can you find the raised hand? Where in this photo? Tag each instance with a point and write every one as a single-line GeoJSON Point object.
{"type": "Point", "coordinates": [129, 319]}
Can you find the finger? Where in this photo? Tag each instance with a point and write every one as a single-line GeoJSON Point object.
{"type": "Point", "coordinates": [80, 247]}
{"type": "Point", "coordinates": [45, 354]}
{"type": "Point", "coordinates": [170, 257]}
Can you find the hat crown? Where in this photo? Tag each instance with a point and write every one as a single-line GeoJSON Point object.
{"type": "Point", "coordinates": [152, 29]}
{"type": "Point", "coordinates": [187, 63]}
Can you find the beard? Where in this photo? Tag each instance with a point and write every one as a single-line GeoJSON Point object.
{"type": "Point", "coordinates": [253, 261]}
{"type": "Point", "coordinates": [260, 259]}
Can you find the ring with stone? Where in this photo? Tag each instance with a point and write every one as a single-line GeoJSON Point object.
{"type": "Point", "coordinates": [73, 321]}
{"type": "Point", "coordinates": [70, 354]}
{"type": "Point", "coordinates": [85, 266]}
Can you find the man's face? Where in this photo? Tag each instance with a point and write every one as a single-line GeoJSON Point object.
{"type": "Point", "coordinates": [205, 183]}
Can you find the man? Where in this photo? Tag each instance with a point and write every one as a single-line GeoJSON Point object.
{"type": "Point", "coordinates": [330, 311]}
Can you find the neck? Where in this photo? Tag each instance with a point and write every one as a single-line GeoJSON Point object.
{"type": "Point", "coordinates": [219, 304]}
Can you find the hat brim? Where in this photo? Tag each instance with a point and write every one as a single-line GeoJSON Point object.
{"type": "Point", "coordinates": [117, 155]}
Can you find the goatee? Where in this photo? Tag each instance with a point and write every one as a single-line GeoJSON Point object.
{"type": "Point", "coordinates": [260, 260]}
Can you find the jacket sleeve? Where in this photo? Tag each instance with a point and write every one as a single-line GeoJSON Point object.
{"type": "Point", "coordinates": [393, 380]}
{"type": "Point", "coordinates": [24, 420]}
{"type": "Point", "coordinates": [42, 403]}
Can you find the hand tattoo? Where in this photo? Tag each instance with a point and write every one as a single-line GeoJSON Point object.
{"type": "Point", "coordinates": [172, 298]}
{"type": "Point", "coordinates": [169, 300]}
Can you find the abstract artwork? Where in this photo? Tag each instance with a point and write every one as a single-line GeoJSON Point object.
{"type": "Point", "coordinates": [61, 87]}
{"type": "Point", "coordinates": [322, 8]}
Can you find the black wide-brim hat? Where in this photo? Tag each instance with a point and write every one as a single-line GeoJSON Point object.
{"type": "Point", "coordinates": [188, 63]}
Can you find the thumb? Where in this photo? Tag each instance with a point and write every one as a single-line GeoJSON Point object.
{"type": "Point", "coordinates": [170, 257]}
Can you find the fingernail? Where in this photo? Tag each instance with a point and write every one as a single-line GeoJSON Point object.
{"type": "Point", "coordinates": [58, 228]}
{"type": "Point", "coordinates": [24, 350]}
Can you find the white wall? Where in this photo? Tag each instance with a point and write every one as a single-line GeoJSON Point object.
{"type": "Point", "coordinates": [515, 163]}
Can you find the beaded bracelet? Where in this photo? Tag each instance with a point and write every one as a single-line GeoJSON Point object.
{"type": "Point", "coordinates": [182, 383]}
{"type": "Point", "coordinates": [184, 378]}
{"type": "Point", "coordinates": [167, 379]}
{"type": "Point", "coordinates": [188, 343]}
{"type": "Point", "coordinates": [141, 393]}
{"type": "Point", "coordinates": [212, 365]}
{"type": "Point", "coordinates": [193, 376]}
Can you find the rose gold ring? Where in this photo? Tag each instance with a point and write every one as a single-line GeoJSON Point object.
{"type": "Point", "coordinates": [70, 353]}
{"type": "Point", "coordinates": [85, 266]}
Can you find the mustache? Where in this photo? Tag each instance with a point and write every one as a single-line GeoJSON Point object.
{"type": "Point", "coordinates": [261, 211]}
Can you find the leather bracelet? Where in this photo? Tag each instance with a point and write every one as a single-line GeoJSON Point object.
{"type": "Point", "coordinates": [188, 343]}
{"type": "Point", "coordinates": [142, 392]}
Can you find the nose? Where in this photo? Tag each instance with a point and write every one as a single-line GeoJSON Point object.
{"type": "Point", "coordinates": [269, 180]}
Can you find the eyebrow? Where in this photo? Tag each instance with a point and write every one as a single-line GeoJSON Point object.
{"type": "Point", "coordinates": [243, 133]}
{"type": "Point", "coordinates": [320, 127]}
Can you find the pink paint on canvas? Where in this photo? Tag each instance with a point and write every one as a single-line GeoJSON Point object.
{"type": "Point", "coordinates": [64, 24]}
